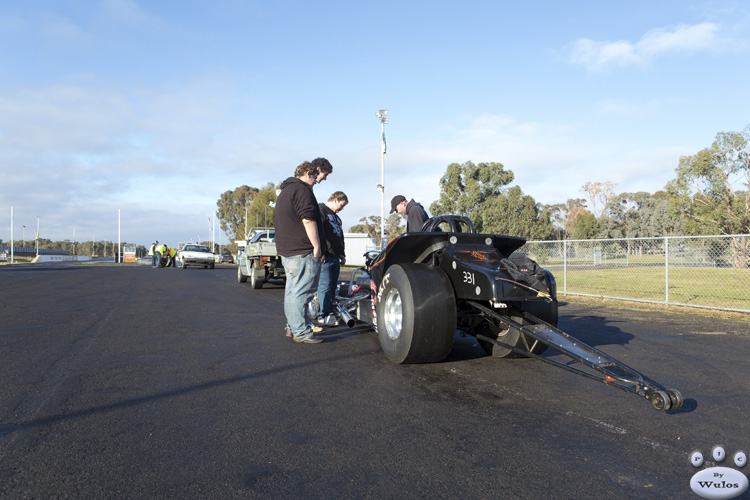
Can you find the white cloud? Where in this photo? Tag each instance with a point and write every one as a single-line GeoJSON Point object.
{"type": "Point", "coordinates": [62, 29]}
{"type": "Point", "coordinates": [599, 55]}
{"type": "Point", "coordinates": [126, 13]}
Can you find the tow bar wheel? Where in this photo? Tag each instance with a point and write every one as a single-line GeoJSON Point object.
{"type": "Point", "coordinates": [671, 399]}
{"type": "Point", "coordinates": [416, 314]}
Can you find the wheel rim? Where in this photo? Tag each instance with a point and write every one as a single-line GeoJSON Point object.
{"type": "Point", "coordinates": [312, 307]}
{"type": "Point", "coordinates": [393, 314]}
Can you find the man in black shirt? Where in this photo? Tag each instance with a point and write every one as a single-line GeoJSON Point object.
{"type": "Point", "coordinates": [298, 230]}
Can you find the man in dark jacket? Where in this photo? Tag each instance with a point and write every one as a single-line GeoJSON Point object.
{"type": "Point", "coordinates": [335, 257]}
{"type": "Point", "coordinates": [298, 231]}
{"type": "Point", "coordinates": [414, 212]}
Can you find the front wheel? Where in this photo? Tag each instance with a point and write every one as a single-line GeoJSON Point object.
{"type": "Point", "coordinates": [416, 314]}
{"type": "Point", "coordinates": [241, 278]}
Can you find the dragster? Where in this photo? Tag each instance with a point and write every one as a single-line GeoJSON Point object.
{"type": "Point", "coordinates": [425, 286]}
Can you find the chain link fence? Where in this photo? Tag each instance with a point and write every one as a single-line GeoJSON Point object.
{"type": "Point", "coordinates": [703, 271]}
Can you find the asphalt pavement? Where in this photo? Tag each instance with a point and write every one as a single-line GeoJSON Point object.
{"type": "Point", "coordinates": [123, 381]}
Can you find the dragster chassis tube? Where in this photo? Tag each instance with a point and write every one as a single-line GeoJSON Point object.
{"type": "Point", "coordinates": [630, 380]}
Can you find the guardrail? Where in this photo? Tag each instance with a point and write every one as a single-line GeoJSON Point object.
{"type": "Point", "coordinates": [710, 272]}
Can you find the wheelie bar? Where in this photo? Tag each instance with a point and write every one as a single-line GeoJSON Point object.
{"type": "Point", "coordinates": [607, 370]}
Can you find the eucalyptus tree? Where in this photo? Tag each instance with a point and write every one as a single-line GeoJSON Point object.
{"type": "Point", "coordinates": [586, 226]}
{"type": "Point", "coordinates": [599, 193]}
{"type": "Point", "coordinates": [245, 207]}
{"type": "Point", "coordinates": [371, 226]}
{"type": "Point", "coordinates": [639, 215]}
{"type": "Point", "coordinates": [516, 214]}
{"type": "Point", "coordinates": [465, 187]}
{"type": "Point", "coordinates": [711, 188]}
{"type": "Point", "coordinates": [712, 191]}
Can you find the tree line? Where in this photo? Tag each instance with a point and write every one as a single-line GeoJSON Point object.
{"type": "Point", "coordinates": [101, 248]}
{"type": "Point", "coordinates": [708, 196]}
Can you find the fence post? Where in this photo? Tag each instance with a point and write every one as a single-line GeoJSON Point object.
{"type": "Point", "coordinates": [565, 267]}
{"type": "Point", "coordinates": [666, 269]}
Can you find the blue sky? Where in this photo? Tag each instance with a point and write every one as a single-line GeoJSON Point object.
{"type": "Point", "coordinates": [156, 108]}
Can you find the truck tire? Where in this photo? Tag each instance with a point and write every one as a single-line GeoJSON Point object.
{"type": "Point", "coordinates": [546, 311]}
{"type": "Point", "coordinates": [257, 277]}
{"type": "Point", "coordinates": [416, 314]}
{"type": "Point", "coordinates": [241, 278]}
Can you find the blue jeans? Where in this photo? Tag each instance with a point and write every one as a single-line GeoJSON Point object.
{"type": "Point", "coordinates": [301, 281]}
{"type": "Point", "coordinates": [329, 276]}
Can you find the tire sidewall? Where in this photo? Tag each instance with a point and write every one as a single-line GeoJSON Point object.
{"type": "Point", "coordinates": [428, 314]}
{"type": "Point", "coordinates": [397, 349]}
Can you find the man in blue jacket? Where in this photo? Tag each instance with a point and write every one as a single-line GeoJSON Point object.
{"type": "Point", "coordinates": [298, 230]}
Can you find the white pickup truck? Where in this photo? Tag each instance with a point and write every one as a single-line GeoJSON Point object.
{"type": "Point", "coordinates": [259, 261]}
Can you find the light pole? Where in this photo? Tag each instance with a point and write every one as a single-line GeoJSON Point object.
{"type": "Point", "coordinates": [381, 115]}
{"type": "Point", "coordinates": [37, 236]}
{"type": "Point", "coordinates": [213, 231]}
{"type": "Point", "coordinates": [23, 236]}
{"type": "Point", "coordinates": [12, 224]}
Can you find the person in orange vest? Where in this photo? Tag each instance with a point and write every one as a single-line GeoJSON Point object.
{"type": "Point", "coordinates": [171, 254]}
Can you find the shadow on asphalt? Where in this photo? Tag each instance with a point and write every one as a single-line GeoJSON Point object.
{"type": "Point", "coordinates": [149, 398]}
{"type": "Point", "coordinates": [592, 330]}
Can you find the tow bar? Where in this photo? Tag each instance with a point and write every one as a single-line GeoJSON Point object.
{"type": "Point", "coordinates": [607, 370]}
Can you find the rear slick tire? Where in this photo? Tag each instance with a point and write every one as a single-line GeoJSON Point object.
{"type": "Point", "coordinates": [416, 314]}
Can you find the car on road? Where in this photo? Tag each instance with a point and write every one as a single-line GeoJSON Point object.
{"type": "Point", "coordinates": [196, 255]}
{"type": "Point", "coordinates": [224, 256]}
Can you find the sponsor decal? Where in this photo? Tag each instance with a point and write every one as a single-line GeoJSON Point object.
{"type": "Point", "coordinates": [482, 255]}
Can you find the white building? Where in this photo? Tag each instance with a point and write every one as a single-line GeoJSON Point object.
{"type": "Point", "coordinates": [356, 246]}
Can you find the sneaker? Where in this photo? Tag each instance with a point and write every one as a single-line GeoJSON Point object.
{"type": "Point", "coordinates": [289, 334]}
{"type": "Point", "coordinates": [331, 320]}
{"type": "Point", "coordinates": [316, 328]}
{"type": "Point", "coordinates": [310, 339]}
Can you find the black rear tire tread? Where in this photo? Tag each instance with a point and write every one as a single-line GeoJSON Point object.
{"type": "Point", "coordinates": [428, 314]}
